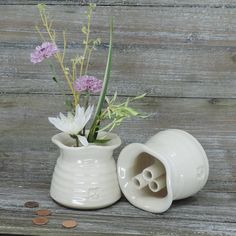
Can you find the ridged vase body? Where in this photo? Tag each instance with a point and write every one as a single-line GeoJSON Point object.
{"type": "Point", "coordinates": [85, 177]}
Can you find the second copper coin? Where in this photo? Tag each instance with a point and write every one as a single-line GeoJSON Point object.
{"type": "Point", "coordinates": [43, 212]}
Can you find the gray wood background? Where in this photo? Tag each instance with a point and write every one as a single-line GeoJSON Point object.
{"type": "Point", "coordinates": [182, 53]}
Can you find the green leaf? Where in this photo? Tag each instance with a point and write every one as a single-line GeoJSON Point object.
{"type": "Point", "coordinates": [94, 128]}
{"type": "Point", "coordinates": [92, 5]}
{"type": "Point", "coordinates": [132, 111]}
{"type": "Point", "coordinates": [107, 99]}
{"type": "Point", "coordinates": [139, 97]}
{"type": "Point", "coordinates": [41, 6]}
{"type": "Point", "coordinates": [84, 30]}
{"type": "Point", "coordinates": [114, 97]}
{"type": "Point", "coordinates": [127, 102]}
{"type": "Point", "coordinates": [102, 141]}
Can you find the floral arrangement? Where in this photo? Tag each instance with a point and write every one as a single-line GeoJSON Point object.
{"type": "Point", "coordinates": [80, 83]}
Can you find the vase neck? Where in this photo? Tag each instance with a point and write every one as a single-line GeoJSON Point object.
{"type": "Point", "coordinates": [86, 156]}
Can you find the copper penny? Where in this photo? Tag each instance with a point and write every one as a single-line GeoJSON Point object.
{"type": "Point", "coordinates": [43, 212]}
{"type": "Point", "coordinates": [40, 221]}
{"type": "Point", "coordinates": [31, 204]}
{"type": "Point", "coordinates": [69, 223]}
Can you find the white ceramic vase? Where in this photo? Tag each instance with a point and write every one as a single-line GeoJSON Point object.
{"type": "Point", "coordinates": [85, 177]}
{"type": "Point", "coordinates": [171, 165]}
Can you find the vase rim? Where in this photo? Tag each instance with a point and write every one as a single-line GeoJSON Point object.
{"type": "Point", "coordinates": [114, 142]}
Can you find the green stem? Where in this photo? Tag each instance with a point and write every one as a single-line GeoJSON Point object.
{"type": "Point", "coordinates": [86, 42]}
{"type": "Point", "coordinates": [60, 58]}
{"type": "Point", "coordinates": [52, 68]}
{"type": "Point", "coordinates": [96, 123]}
{"type": "Point", "coordinates": [76, 139]}
{"type": "Point", "coordinates": [87, 97]}
{"type": "Point", "coordinates": [88, 60]}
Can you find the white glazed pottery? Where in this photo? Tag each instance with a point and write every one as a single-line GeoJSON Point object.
{"type": "Point", "coordinates": [171, 165]}
{"type": "Point", "coordinates": [85, 177]}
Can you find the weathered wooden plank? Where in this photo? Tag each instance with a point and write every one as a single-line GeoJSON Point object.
{"type": "Point", "coordinates": [153, 3]}
{"type": "Point", "coordinates": [165, 48]}
{"type": "Point", "coordinates": [138, 25]}
{"type": "Point", "coordinates": [198, 207]}
{"type": "Point", "coordinates": [92, 225]}
{"type": "Point", "coordinates": [165, 26]}
{"type": "Point", "coordinates": [158, 71]}
{"type": "Point", "coordinates": [210, 120]}
{"type": "Point", "coordinates": [33, 169]}
{"type": "Point", "coordinates": [172, 56]}
{"type": "Point", "coordinates": [27, 152]}
{"type": "Point", "coordinates": [205, 213]}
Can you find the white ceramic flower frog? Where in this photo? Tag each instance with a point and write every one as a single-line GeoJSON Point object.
{"type": "Point", "coordinates": [171, 165]}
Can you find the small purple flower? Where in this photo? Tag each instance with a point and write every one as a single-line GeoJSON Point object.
{"type": "Point", "coordinates": [44, 51]}
{"type": "Point", "coordinates": [88, 83]}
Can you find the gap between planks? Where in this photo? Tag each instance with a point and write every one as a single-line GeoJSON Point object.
{"type": "Point", "coordinates": [160, 4]}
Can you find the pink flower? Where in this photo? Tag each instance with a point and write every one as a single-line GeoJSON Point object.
{"type": "Point", "coordinates": [46, 50]}
{"type": "Point", "coordinates": [88, 83]}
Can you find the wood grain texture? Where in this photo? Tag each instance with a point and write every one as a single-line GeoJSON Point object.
{"type": "Point", "coordinates": [142, 3]}
{"type": "Point", "coordinates": [149, 70]}
{"type": "Point", "coordinates": [133, 25]}
{"type": "Point", "coordinates": [182, 53]}
{"type": "Point", "coordinates": [184, 217]}
{"type": "Point", "coordinates": [33, 156]}
{"type": "Point", "coordinates": [181, 56]}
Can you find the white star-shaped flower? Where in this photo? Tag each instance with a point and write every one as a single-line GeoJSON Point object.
{"type": "Point", "coordinates": [73, 124]}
